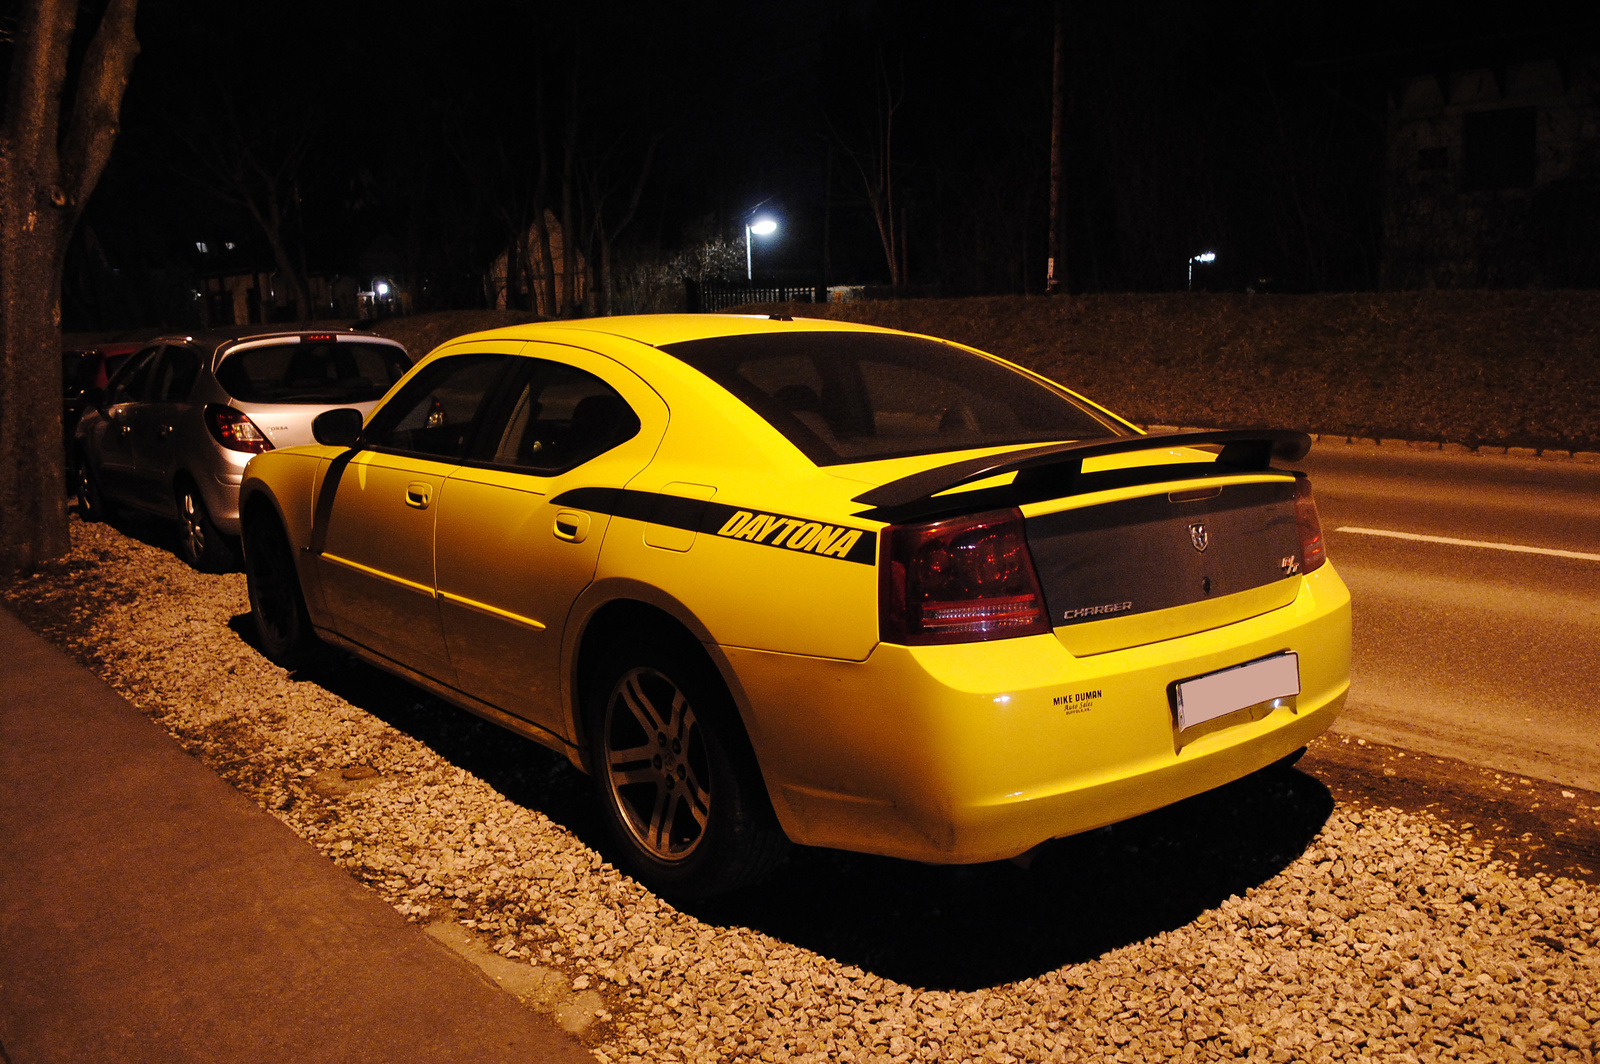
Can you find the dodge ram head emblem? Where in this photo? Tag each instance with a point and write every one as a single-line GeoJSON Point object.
{"type": "Point", "coordinates": [1197, 536]}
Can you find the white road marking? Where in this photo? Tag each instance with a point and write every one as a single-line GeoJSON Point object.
{"type": "Point", "coordinates": [1514, 547]}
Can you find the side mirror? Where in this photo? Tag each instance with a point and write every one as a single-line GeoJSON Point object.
{"type": "Point", "coordinates": [337, 428]}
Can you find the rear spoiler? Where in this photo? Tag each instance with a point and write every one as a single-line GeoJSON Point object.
{"type": "Point", "coordinates": [1245, 450]}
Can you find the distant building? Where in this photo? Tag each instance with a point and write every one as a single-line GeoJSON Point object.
{"type": "Point", "coordinates": [1493, 175]}
{"type": "Point", "coordinates": [504, 290]}
{"type": "Point", "coordinates": [258, 297]}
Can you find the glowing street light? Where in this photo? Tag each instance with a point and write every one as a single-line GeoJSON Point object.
{"type": "Point", "coordinates": [763, 226]}
{"type": "Point", "coordinates": [1204, 256]}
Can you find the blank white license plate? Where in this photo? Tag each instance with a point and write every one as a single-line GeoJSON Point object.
{"type": "Point", "coordinates": [1220, 693]}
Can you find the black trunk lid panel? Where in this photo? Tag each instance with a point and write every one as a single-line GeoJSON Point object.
{"type": "Point", "coordinates": [1135, 556]}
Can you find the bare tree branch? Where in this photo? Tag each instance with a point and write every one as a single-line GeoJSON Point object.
{"type": "Point", "coordinates": [96, 109]}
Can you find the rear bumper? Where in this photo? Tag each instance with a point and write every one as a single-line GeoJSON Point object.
{"type": "Point", "coordinates": [222, 498]}
{"type": "Point", "coordinates": [978, 752]}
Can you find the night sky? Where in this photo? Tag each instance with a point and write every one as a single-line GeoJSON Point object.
{"type": "Point", "coordinates": [406, 137]}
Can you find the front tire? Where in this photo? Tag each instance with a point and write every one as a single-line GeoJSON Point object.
{"type": "Point", "coordinates": [200, 543]}
{"type": "Point", "coordinates": [277, 605]}
{"type": "Point", "coordinates": [674, 771]}
{"type": "Point", "coordinates": [92, 504]}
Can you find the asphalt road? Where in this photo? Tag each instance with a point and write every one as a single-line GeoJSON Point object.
{"type": "Point", "coordinates": [1476, 587]}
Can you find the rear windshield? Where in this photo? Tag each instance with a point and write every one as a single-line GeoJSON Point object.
{"type": "Point", "coordinates": [323, 372]}
{"type": "Point", "coordinates": [854, 397]}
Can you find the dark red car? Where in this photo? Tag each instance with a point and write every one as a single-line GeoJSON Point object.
{"type": "Point", "coordinates": [84, 372]}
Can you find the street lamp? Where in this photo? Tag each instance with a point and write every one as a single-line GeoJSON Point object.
{"type": "Point", "coordinates": [760, 227]}
{"type": "Point", "coordinates": [1204, 256]}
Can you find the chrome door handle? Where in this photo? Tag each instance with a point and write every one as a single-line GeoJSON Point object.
{"type": "Point", "coordinates": [419, 494]}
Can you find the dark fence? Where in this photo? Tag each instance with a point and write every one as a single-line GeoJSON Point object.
{"type": "Point", "coordinates": [720, 295]}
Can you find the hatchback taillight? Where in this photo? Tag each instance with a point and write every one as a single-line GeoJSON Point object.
{"type": "Point", "coordinates": [234, 429]}
{"type": "Point", "coordinates": [1313, 552]}
{"type": "Point", "coordinates": [959, 581]}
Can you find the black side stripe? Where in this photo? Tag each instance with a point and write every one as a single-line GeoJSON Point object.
{"type": "Point", "coordinates": [760, 527]}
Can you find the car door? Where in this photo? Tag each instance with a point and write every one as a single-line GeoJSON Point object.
{"type": "Point", "coordinates": [510, 561]}
{"type": "Point", "coordinates": [111, 447]}
{"type": "Point", "coordinates": [375, 546]}
{"type": "Point", "coordinates": [153, 424]}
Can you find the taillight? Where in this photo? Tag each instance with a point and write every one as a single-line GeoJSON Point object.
{"type": "Point", "coordinates": [959, 581]}
{"type": "Point", "coordinates": [1313, 552]}
{"type": "Point", "coordinates": [234, 429]}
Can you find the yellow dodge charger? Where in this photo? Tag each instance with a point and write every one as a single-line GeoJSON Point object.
{"type": "Point", "coordinates": [770, 580]}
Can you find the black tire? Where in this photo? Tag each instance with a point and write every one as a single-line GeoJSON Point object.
{"type": "Point", "coordinates": [277, 605]}
{"type": "Point", "coordinates": [92, 504]}
{"type": "Point", "coordinates": [674, 771]}
{"type": "Point", "coordinates": [199, 542]}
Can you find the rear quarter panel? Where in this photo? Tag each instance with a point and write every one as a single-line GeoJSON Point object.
{"type": "Point", "coordinates": [776, 561]}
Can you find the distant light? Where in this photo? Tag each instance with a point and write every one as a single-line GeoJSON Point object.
{"type": "Point", "coordinates": [382, 287]}
{"type": "Point", "coordinates": [200, 246]}
{"type": "Point", "coordinates": [228, 244]}
{"type": "Point", "coordinates": [763, 226]}
{"type": "Point", "coordinates": [1204, 256]}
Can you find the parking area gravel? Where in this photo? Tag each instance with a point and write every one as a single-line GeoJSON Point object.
{"type": "Point", "coordinates": [1263, 921]}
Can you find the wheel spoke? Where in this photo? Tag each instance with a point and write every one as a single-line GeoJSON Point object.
{"type": "Point", "coordinates": [631, 756]}
{"type": "Point", "coordinates": [658, 834]}
{"type": "Point", "coordinates": [629, 776]}
{"type": "Point", "coordinates": [639, 704]}
{"type": "Point", "coordinates": [698, 796]}
{"type": "Point", "coordinates": [682, 718]}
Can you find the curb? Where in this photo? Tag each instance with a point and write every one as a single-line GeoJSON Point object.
{"type": "Point", "coordinates": [1544, 454]}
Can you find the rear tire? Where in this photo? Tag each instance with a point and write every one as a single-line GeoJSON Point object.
{"type": "Point", "coordinates": [277, 605]}
{"type": "Point", "coordinates": [674, 772]}
{"type": "Point", "coordinates": [199, 542]}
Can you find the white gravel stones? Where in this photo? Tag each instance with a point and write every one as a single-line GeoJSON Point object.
{"type": "Point", "coordinates": [1390, 937]}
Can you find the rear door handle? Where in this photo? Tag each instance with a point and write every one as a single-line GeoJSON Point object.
{"type": "Point", "coordinates": [572, 526]}
{"type": "Point", "coordinates": [419, 494]}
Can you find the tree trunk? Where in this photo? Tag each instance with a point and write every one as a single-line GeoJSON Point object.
{"type": "Point", "coordinates": [45, 179]}
{"type": "Point", "coordinates": [547, 268]}
{"type": "Point", "coordinates": [33, 514]}
{"type": "Point", "coordinates": [569, 245]}
{"type": "Point", "coordinates": [1056, 271]}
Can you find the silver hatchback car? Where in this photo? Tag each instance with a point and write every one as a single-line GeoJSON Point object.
{"type": "Point", "coordinates": [173, 430]}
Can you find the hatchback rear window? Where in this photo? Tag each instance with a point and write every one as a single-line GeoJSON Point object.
{"type": "Point", "coordinates": [321, 372]}
{"type": "Point", "coordinates": [855, 397]}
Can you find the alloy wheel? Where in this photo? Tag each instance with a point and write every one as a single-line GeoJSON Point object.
{"type": "Point", "coordinates": [656, 764]}
{"type": "Point", "coordinates": [194, 524]}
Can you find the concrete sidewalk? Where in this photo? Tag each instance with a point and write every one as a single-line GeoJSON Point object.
{"type": "Point", "coordinates": [150, 912]}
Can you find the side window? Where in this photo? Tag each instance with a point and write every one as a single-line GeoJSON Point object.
{"type": "Point", "coordinates": [132, 384]}
{"type": "Point", "coordinates": [562, 417]}
{"type": "Point", "coordinates": [438, 412]}
{"type": "Point", "coordinates": [174, 375]}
